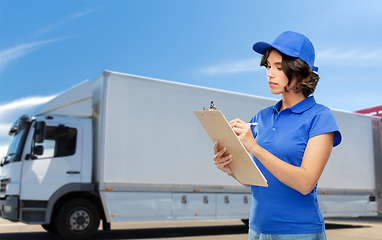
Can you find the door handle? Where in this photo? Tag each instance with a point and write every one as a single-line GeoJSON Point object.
{"type": "Point", "coordinates": [73, 172]}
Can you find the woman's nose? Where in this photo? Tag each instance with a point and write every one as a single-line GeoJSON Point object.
{"type": "Point", "coordinates": [270, 72]}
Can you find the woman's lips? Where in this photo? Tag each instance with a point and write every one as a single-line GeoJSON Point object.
{"type": "Point", "coordinates": [272, 84]}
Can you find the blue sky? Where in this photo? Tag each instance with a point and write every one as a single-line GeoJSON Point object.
{"type": "Point", "coordinates": [47, 47]}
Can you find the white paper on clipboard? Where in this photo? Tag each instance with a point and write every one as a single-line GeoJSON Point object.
{"type": "Point", "coordinates": [242, 165]}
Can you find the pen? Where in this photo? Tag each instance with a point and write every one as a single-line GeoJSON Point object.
{"type": "Point", "coordinates": [253, 124]}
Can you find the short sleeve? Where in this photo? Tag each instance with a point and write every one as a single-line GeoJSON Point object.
{"type": "Point", "coordinates": [324, 122]}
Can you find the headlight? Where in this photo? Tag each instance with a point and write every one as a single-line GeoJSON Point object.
{"type": "Point", "coordinates": [3, 184]}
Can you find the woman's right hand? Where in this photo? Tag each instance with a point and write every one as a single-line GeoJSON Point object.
{"type": "Point", "coordinates": [220, 161]}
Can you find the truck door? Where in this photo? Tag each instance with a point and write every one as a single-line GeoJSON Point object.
{"type": "Point", "coordinates": [55, 163]}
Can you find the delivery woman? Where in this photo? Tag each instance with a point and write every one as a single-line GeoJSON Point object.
{"type": "Point", "coordinates": [291, 144]}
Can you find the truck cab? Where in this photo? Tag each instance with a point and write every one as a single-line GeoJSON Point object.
{"type": "Point", "coordinates": [49, 160]}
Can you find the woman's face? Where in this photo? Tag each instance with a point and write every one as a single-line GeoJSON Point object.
{"type": "Point", "coordinates": [277, 80]}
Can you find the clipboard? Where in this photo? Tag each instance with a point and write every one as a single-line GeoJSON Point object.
{"type": "Point", "coordinates": [242, 165]}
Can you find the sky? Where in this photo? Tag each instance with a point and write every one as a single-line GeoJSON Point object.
{"type": "Point", "coordinates": [48, 46]}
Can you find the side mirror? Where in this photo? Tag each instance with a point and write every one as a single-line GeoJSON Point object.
{"type": "Point", "coordinates": [38, 150]}
{"type": "Point", "coordinates": [40, 132]}
{"type": "Point", "coordinates": [2, 161]}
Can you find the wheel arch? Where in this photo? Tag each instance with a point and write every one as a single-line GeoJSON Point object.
{"type": "Point", "coordinates": [71, 191]}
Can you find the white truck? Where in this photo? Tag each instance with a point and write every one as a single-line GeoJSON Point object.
{"type": "Point", "coordinates": [129, 148]}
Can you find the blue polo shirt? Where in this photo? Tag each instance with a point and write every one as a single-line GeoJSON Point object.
{"type": "Point", "coordinates": [279, 209]}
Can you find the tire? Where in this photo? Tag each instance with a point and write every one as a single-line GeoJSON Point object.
{"type": "Point", "coordinates": [77, 219]}
{"type": "Point", "coordinates": [50, 228]}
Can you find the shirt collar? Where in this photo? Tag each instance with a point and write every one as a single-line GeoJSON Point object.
{"type": "Point", "coordinates": [299, 107]}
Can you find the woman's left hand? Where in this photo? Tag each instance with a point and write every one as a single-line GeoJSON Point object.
{"type": "Point", "coordinates": [244, 132]}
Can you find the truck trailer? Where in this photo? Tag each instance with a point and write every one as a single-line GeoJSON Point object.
{"type": "Point", "coordinates": [129, 148]}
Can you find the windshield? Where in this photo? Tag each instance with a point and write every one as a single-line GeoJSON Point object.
{"type": "Point", "coordinates": [17, 143]}
{"type": "Point", "coordinates": [16, 147]}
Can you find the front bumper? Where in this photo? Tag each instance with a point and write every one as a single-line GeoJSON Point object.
{"type": "Point", "coordinates": [9, 208]}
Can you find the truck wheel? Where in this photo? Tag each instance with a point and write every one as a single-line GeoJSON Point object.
{"type": "Point", "coordinates": [50, 228]}
{"type": "Point", "coordinates": [77, 219]}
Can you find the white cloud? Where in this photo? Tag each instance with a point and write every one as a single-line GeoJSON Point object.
{"type": "Point", "coordinates": [22, 104]}
{"type": "Point", "coordinates": [4, 128]}
{"type": "Point", "coordinates": [16, 52]}
{"type": "Point", "coordinates": [335, 56]}
{"type": "Point", "coordinates": [9, 112]}
{"type": "Point", "coordinates": [19, 51]}
{"type": "Point", "coordinates": [244, 65]}
{"type": "Point", "coordinates": [60, 23]}
{"type": "Point", "coordinates": [349, 56]}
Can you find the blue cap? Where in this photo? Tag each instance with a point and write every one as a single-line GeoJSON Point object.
{"type": "Point", "coordinates": [292, 44]}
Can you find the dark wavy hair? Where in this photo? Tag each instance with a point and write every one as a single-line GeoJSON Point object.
{"type": "Point", "coordinates": [294, 68]}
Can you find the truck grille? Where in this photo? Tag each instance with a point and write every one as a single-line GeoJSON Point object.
{"type": "Point", "coordinates": [3, 184]}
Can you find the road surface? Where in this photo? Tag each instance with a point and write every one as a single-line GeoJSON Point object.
{"type": "Point", "coordinates": [337, 229]}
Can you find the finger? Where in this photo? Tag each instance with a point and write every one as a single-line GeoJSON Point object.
{"type": "Point", "coordinates": [237, 124]}
{"type": "Point", "coordinates": [237, 120]}
{"type": "Point", "coordinates": [219, 154]}
{"type": "Point", "coordinates": [238, 131]}
{"type": "Point", "coordinates": [233, 123]}
{"type": "Point", "coordinates": [224, 165]}
{"type": "Point", "coordinates": [216, 147]}
{"type": "Point", "coordinates": [223, 162]}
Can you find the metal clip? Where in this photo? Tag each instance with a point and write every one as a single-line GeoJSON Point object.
{"type": "Point", "coordinates": [212, 107]}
